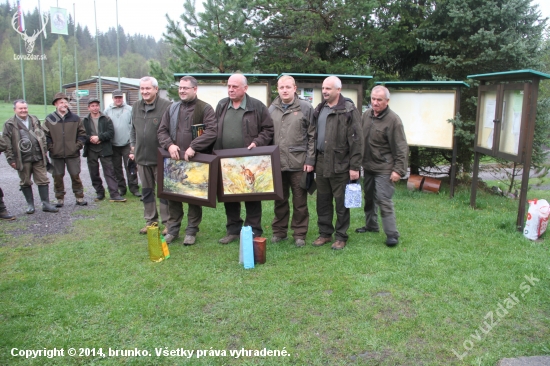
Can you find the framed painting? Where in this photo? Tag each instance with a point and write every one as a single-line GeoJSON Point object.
{"type": "Point", "coordinates": [191, 181]}
{"type": "Point", "coordinates": [249, 175]}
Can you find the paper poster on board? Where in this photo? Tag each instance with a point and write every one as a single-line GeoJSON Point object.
{"type": "Point", "coordinates": [490, 108]}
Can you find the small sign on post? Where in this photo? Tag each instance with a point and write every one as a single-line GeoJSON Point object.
{"type": "Point", "coordinates": [82, 92]}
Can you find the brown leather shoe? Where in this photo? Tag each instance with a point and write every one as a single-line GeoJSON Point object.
{"type": "Point", "coordinates": [321, 241]}
{"type": "Point", "coordinates": [143, 230]}
{"type": "Point", "coordinates": [338, 244]}
{"type": "Point", "coordinates": [228, 239]}
{"type": "Point", "coordinates": [165, 231]}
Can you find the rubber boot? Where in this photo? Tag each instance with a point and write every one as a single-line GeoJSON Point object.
{"type": "Point", "coordinates": [5, 215]}
{"type": "Point", "coordinates": [27, 192]}
{"type": "Point", "coordinates": [45, 198]}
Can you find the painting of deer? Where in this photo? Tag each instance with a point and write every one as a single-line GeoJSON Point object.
{"type": "Point", "coordinates": [248, 175]}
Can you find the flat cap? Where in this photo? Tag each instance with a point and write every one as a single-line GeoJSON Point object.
{"type": "Point", "coordinates": [93, 100]}
{"type": "Point", "coordinates": [117, 93]}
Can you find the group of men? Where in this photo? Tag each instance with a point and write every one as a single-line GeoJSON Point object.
{"type": "Point", "coordinates": [63, 134]}
{"type": "Point", "coordinates": [332, 140]}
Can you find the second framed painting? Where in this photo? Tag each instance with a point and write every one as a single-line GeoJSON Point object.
{"type": "Point", "coordinates": [191, 181]}
{"type": "Point", "coordinates": [249, 175]}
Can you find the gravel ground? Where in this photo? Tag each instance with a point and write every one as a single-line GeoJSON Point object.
{"type": "Point", "coordinates": [42, 223]}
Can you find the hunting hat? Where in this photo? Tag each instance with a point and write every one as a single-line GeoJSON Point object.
{"type": "Point", "coordinates": [117, 93]}
{"type": "Point", "coordinates": [93, 100]}
{"type": "Point", "coordinates": [58, 96]}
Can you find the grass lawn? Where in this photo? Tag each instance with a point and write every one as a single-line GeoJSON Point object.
{"type": "Point", "coordinates": [443, 296]}
{"type": "Point", "coordinates": [6, 112]}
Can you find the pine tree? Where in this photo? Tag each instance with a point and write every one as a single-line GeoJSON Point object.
{"type": "Point", "coordinates": [218, 40]}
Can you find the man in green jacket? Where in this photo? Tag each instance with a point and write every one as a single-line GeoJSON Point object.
{"type": "Point", "coordinates": [339, 152]}
{"type": "Point", "coordinates": [26, 150]}
{"type": "Point", "coordinates": [146, 116]}
{"type": "Point", "coordinates": [243, 122]}
{"type": "Point", "coordinates": [99, 133]}
{"type": "Point", "coordinates": [65, 136]}
{"type": "Point", "coordinates": [385, 161]}
{"type": "Point", "coordinates": [295, 135]}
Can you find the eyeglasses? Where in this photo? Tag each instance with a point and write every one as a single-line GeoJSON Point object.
{"type": "Point", "coordinates": [187, 88]}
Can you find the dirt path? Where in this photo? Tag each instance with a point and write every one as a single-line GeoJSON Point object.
{"type": "Point", "coordinates": [41, 223]}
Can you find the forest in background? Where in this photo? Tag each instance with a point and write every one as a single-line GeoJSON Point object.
{"type": "Point", "coordinates": [388, 39]}
{"type": "Point", "coordinates": [135, 52]}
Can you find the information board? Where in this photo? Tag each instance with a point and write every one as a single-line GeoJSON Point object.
{"type": "Point", "coordinates": [425, 116]}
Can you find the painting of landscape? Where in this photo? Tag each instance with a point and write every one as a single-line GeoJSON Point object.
{"type": "Point", "coordinates": [186, 178]}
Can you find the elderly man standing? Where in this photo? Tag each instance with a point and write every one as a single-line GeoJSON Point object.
{"type": "Point", "coordinates": [385, 161]}
{"type": "Point", "coordinates": [243, 121]}
{"type": "Point", "coordinates": [121, 115]}
{"type": "Point", "coordinates": [175, 135]}
{"type": "Point", "coordinates": [65, 136]}
{"type": "Point", "coordinates": [295, 135]}
{"type": "Point", "coordinates": [99, 133]}
{"type": "Point", "coordinates": [26, 150]}
{"type": "Point", "coordinates": [339, 149]}
{"type": "Point", "coordinates": [146, 116]}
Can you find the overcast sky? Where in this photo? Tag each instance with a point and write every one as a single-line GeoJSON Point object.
{"type": "Point", "coordinates": [147, 20]}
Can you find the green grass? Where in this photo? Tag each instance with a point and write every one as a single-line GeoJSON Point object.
{"type": "Point", "coordinates": [365, 305]}
{"type": "Point", "coordinates": [6, 112]}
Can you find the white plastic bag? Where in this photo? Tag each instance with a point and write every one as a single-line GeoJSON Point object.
{"type": "Point", "coordinates": [537, 219]}
{"type": "Point", "coordinates": [353, 197]}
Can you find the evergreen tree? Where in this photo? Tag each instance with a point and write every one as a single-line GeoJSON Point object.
{"type": "Point", "coordinates": [315, 36]}
{"type": "Point", "coordinates": [464, 37]}
{"type": "Point", "coordinates": [220, 39]}
{"type": "Point", "coordinates": [10, 73]}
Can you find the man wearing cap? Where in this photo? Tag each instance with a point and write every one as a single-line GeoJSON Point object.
{"type": "Point", "coordinates": [295, 135]}
{"type": "Point", "coordinates": [65, 136]}
{"type": "Point", "coordinates": [26, 150]}
{"type": "Point", "coordinates": [121, 115]}
{"type": "Point", "coordinates": [99, 133]}
{"type": "Point", "coordinates": [146, 116]}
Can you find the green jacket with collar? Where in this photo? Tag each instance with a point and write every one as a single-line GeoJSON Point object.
{"type": "Point", "coordinates": [344, 138]}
